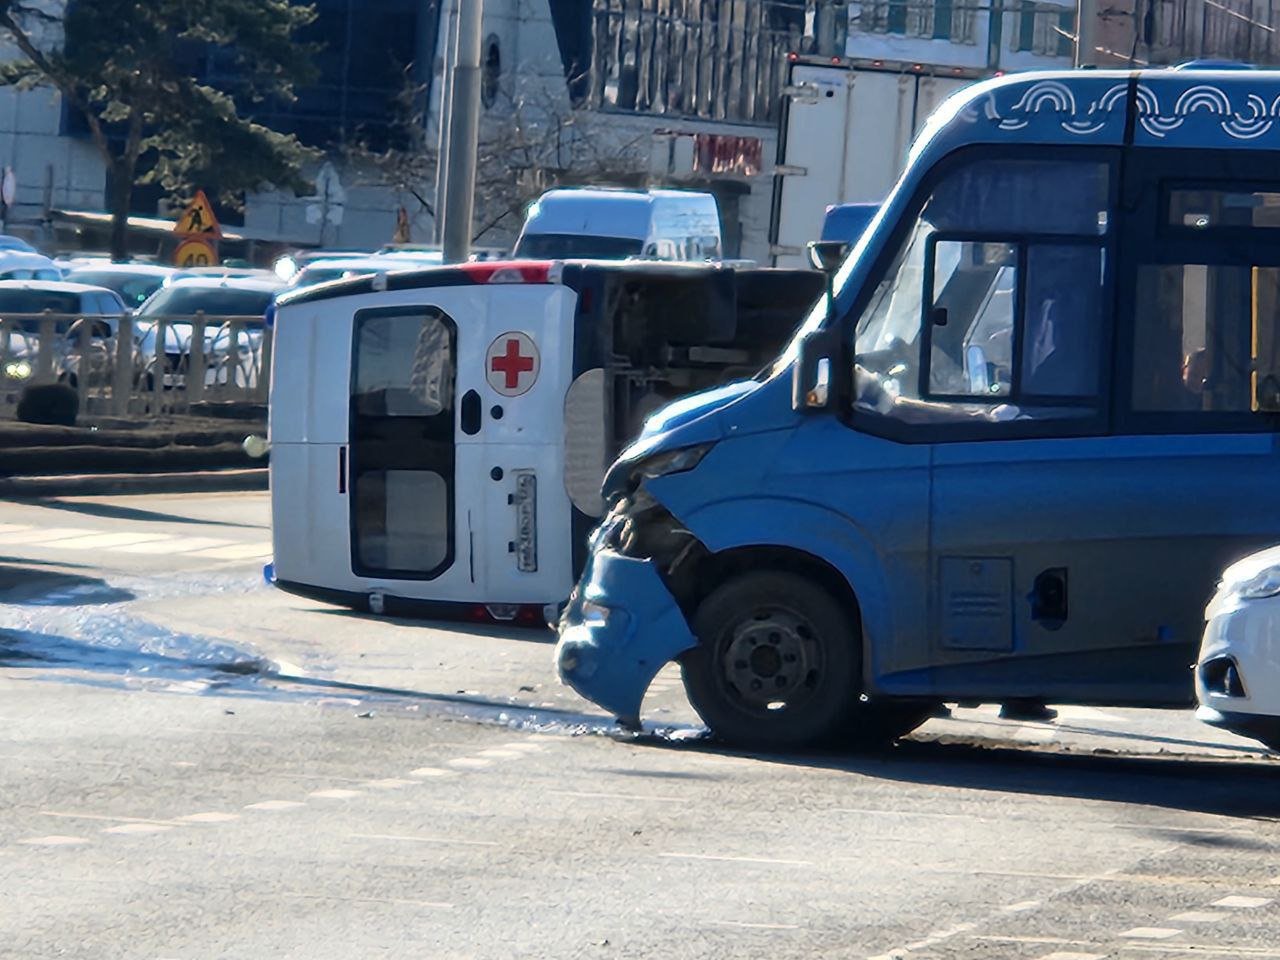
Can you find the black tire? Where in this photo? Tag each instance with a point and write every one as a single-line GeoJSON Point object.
{"type": "Point", "coordinates": [773, 635]}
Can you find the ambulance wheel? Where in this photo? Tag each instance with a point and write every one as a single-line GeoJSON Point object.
{"type": "Point", "coordinates": [777, 664]}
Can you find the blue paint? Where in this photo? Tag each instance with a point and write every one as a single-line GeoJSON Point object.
{"type": "Point", "coordinates": [1140, 518]}
{"type": "Point", "coordinates": [612, 655]}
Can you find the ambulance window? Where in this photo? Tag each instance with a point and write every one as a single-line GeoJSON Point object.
{"type": "Point", "coordinates": [404, 364]}
{"type": "Point", "coordinates": [402, 442]}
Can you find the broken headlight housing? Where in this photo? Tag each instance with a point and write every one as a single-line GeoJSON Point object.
{"type": "Point", "coordinates": [669, 462]}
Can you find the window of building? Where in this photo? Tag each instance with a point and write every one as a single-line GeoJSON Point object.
{"type": "Point", "coordinates": [942, 10]}
{"type": "Point", "coordinates": [492, 72]}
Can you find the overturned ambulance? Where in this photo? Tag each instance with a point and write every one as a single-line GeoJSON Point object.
{"type": "Point", "coordinates": [439, 436]}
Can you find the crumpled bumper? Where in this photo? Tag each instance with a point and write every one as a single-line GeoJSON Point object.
{"type": "Point", "coordinates": [618, 631]}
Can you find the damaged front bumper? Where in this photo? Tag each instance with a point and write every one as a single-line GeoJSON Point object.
{"type": "Point", "coordinates": [620, 627]}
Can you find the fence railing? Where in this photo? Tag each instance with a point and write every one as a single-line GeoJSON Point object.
{"type": "Point", "coordinates": [135, 366]}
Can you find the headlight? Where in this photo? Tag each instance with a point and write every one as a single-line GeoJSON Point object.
{"type": "Point", "coordinates": [1263, 584]}
{"type": "Point", "coordinates": [17, 370]}
{"type": "Point", "coordinates": [673, 461]}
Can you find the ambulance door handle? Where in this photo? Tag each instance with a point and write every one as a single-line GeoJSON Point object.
{"type": "Point", "coordinates": [471, 413]}
{"type": "Point", "coordinates": [342, 470]}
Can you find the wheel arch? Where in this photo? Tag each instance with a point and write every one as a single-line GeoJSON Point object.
{"type": "Point", "coordinates": [798, 536]}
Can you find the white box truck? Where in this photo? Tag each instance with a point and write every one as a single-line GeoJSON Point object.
{"type": "Point", "coordinates": [846, 128]}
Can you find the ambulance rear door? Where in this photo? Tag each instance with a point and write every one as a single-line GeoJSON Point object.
{"type": "Point", "coordinates": [511, 396]}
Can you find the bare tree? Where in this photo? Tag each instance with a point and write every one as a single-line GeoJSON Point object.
{"type": "Point", "coordinates": [530, 141]}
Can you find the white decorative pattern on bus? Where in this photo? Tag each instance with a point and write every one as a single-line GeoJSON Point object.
{"type": "Point", "coordinates": [1055, 97]}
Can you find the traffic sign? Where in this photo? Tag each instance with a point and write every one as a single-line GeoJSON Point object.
{"type": "Point", "coordinates": [195, 252]}
{"type": "Point", "coordinates": [512, 364]}
{"type": "Point", "coordinates": [199, 218]}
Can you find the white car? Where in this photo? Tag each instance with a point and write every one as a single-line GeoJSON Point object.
{"type": "Point", "coordinates": [1238, 670]}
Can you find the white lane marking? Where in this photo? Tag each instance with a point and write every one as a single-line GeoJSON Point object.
{"type": "Point", "coordinates": [1151, 933]}
{"type": "Point", "coordinates": [53, 840]}
{"type": "Point", "coordinates": [102, 817]}
{"type": "Point", "coordinates": [469, 763]}
{"type": "Point", "coordinates": [49, 535]}
{"type": "Point", "coordinates": [334, 794]}
{"type": "Point", "coordinates": [318, 896]}
{"type": "Point", "coordinates": [524, 747]}
{"type": "Point", "coordinates": [1199, 916]}
{"type": "Point", "coordinates": [175, 545]}
{"type": "Point", "coordinates": [727, 859]}
{"type": "Point", "coordinates": [931, 940]}
{"type": "Point", "coordinates": [212, 816]}
{"type": "Point", "coordinates": [432, 772]}
{"type": "Point", "coordinates": [583, 795]}
{"type": "Point", "coordinates": [105, 541]}
{"type": "Point", "coordinates": [275, 805]}
{"type": "Point", "coordinates": [134, 828]}
{"type": "Point", "coordinates": [1242, 903]}
{"type": "Point", "coordinates": [389, 783]}
{"type": "Point", "coordinates": [406, 839]}
{"type": "Point", "coordinates": [1021, 907]}
{"type": "Point", "coordinates": [1067, 955]}
{"type": "Point", "coordinates": [238, 551]}
{"type": "Point", "coordinates": [500, 754]}
{"type": "Point", "coordinates": [754, 926]}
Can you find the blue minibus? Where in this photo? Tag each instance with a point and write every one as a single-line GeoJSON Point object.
{"type": "Point", "coordinates": [1009, 456]}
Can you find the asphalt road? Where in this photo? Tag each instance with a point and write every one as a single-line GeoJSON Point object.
{"type": "Point", "coordinates": [195, 766]}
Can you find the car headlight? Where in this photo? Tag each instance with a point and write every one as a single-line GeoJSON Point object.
{"type": "Point", "coordinates": [1265, 583]}
{"type": "Point", "coordinates": [17, 370]}
{"type": "Point", "coordinates": [672, 461]}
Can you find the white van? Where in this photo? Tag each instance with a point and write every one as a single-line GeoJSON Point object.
{"type": "Point", "coordinates": [610, 224]}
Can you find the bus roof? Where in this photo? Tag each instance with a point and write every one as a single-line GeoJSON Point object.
{"type": "Point", "coordinates": [1184, 107]}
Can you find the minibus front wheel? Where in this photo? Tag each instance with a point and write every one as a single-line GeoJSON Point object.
{"type": "Point", "coordinates": [778, 666]}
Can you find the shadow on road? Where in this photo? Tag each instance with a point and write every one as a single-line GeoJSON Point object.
{"type": "Point", "coordinates": [35, 585]}
{"type": "Point", "coordinates": [1246, 789]}
{"type": "Point", "coordinates": [527, 634]}
{"type": "Point", "coordinates": [114, 512]}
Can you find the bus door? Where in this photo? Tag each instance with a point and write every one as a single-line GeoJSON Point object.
{"type": "Point", "coordinates": [513, 375]}
{"type": "Point", "coordinates": [407, 484]}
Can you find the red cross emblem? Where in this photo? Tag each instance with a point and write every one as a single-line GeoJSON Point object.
{"type": "Point", "coordinates": [512, 364]}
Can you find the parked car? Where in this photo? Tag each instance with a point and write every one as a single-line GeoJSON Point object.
{"type": "Point", "coordinates": [10, 242]}
{"type": "Point", "coordinates": [323, 271]}
{"type": "Point", "coordinates": [219, 299]}
{"type": "Point", "coordinates": [287, 266]}
{"type": "Point", "coordinates": [24, 265]}
{"type": "Point", "coordinates": [134, 282]}
{"type": "Point", "coordinates": [1238, 670]}
{"type": "Point", "coordinates": [74, 304]}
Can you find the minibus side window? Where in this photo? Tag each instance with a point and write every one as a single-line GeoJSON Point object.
{"type": "Point", "coordinates": [993, 309]}
{"type": "Point", "coordinates": [1193, 336]}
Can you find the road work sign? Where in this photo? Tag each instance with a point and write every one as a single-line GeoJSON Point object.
{"type": "Point", "coordinates": [198, 218]}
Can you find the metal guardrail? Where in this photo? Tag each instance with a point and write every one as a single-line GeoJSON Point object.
{"type": "Point", "coordinates": [135, 366]}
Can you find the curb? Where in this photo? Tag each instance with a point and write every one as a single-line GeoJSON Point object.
{"type": "Point", "coordinates": [116, 484]}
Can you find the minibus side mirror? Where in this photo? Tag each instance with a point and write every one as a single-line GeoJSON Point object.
{"type": "Point", "coordinates": [827, 255]}
{"type": "Point", "coordinates": [817, 363]}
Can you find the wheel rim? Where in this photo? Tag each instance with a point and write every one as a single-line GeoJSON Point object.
{"type": "Point", "coordinates": [770, 660]}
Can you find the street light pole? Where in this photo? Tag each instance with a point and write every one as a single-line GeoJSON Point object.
{"type": "Point", "coordinates": [449, 20]}
{"type": "Point", "coordinates": [464, 133]}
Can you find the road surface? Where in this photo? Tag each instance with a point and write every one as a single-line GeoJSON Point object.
{"type": "Point", "coordinates": [196, 766]}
